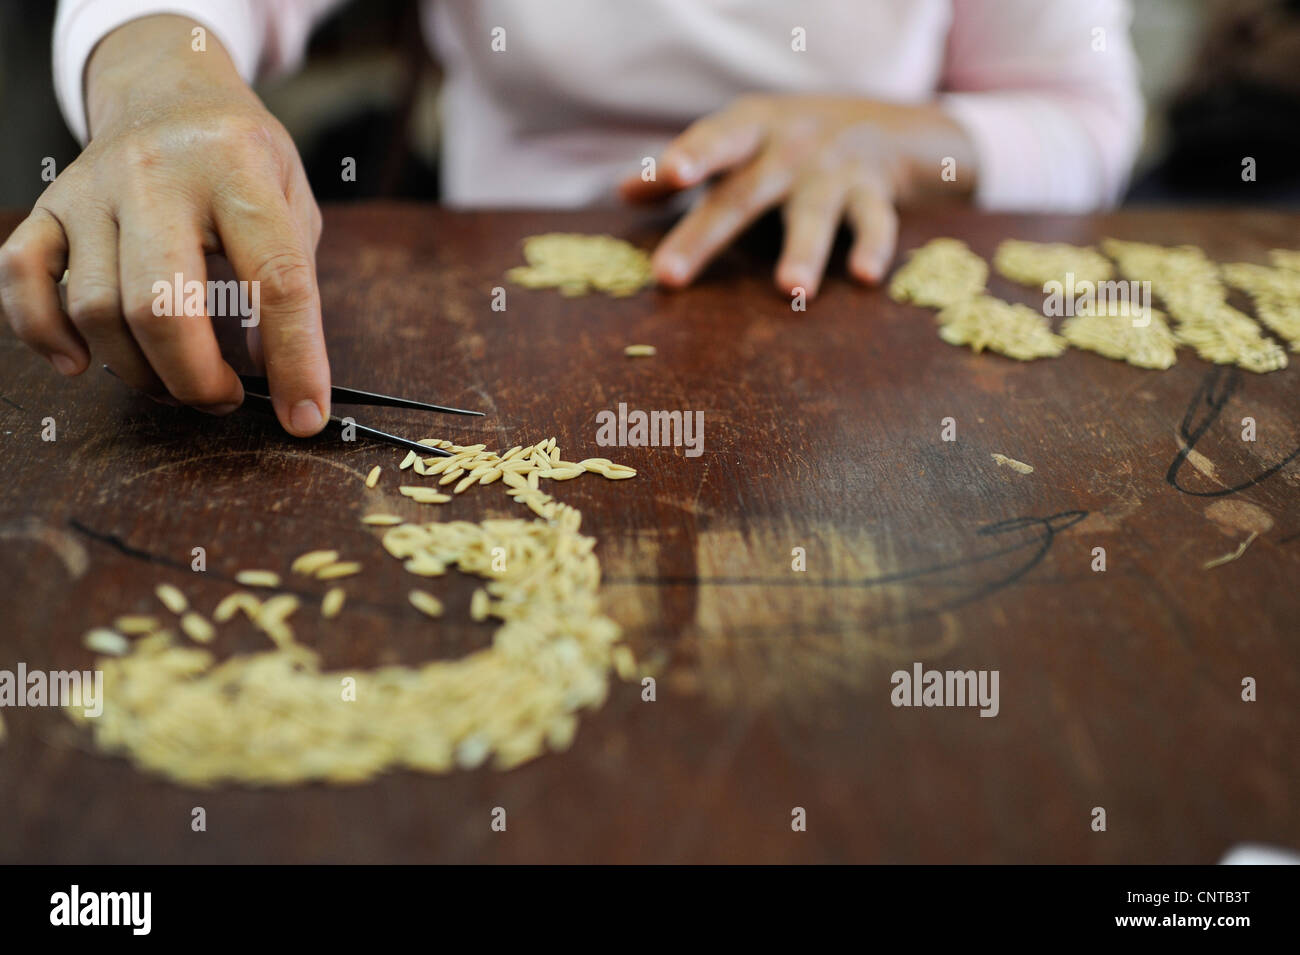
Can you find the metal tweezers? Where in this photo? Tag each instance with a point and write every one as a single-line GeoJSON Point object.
{"type": "Point", "coordinates": [257, 392]}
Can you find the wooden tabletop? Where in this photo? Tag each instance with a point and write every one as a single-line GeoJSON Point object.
{"type": "Point", "coordinates": [1119, 689]}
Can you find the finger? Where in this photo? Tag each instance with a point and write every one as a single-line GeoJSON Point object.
{"type": "Point", "coordinates": [707, 147]}
{"type": "Point", "coordinates": [265, 245]}
{"type": "Point", "coordinates": [160, 257]}
{"type": "Point", "coordinates": [31, 262]}
{"type": "Point", "coordinates": [812, 217]}
{"type": "Point", "coordinates": [305, 210]}
{"type": "Point", "coordinates": [719, 217]}
{"type": "Point", "coordinates": [95, 301]}
{"type": "Point", "coordinates": [874, 220]}
{"type": "Point", "coordinates": [307, 215]}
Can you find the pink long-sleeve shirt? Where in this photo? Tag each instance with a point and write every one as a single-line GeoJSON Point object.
{"type": "Point", "coordinates": [583, 89]}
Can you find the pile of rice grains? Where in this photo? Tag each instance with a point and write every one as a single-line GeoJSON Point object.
{"type": "Point", "coordinates": [275, 718]}
{"type": "Point", "coordinates": [946, 275]}
{"type": "Point", "coordinates": [577, 264]}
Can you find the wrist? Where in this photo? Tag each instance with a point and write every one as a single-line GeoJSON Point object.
{"type": "Point", "coordinates": [938, 157]}
{"type": "Point", "coordinates": [152, 60]}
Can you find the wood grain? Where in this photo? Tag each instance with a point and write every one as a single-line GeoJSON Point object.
{"type": "Point", "coordinates": [822, 431]}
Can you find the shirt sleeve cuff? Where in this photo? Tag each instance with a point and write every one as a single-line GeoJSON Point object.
{"type": "Point", "coordinates": [1032, 155]}
{"type": "Point", "coordinates": [81, 24]}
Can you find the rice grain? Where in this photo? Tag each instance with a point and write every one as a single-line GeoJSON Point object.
{"type": "Point", "coordinates": [426, 603]}
{"type": "Point", "coordinates": [172, 598]}
{"type": "Point", "coordinates": [258, 578]}
{"type": "Point", "coordinates": [106, 641]}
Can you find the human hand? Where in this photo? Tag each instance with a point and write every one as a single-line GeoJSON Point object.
{"type": "Point", "coordinates": [183, 161]}
{"type": "Point", "coordinates": [823, 159]}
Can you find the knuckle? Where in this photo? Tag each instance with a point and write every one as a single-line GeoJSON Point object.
{"type": "Point", "coordinates": [816, 196]}
{"type": "Point", "coordinates": [18, 262]}
{"type": "Point", "coordinates": [236, 137]}
{"type": "Point", "coordinates": [141, 154]}
{"type": "Point", "coordinates": [94, 308]}
{"type": "Point", "coordinates": [200, 388]}
{"type": "Point", "coordinates": [286, 278]}
{"type": "Point", "coordinates": [249, 137]}
{"type": "Point", "coordinates": [763, 185]}
{"type": "Point", "coordinates": [140, 314]}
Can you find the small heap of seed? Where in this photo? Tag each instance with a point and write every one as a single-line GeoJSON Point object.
{"type": "Point", "coordinates": [940, 273]}
{"type": "Point", "coordinates": [989, 323]}
{"type": "Point", "coordinates": [1288, 259]}
{"type": "Point", "coordinates": [1143, 340]}
{"type": "Point", "coordinates": [577, 264]}
{"type": "Point", "coordinates": [1037, 263]}
{"type": "Point", "coordinates": [1275, 293]}
{"type": "Point", "coordinates": [945, 274]}
{"type": "Point", "coordinates": [1188, 283]}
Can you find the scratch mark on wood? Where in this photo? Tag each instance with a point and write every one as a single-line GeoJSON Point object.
{"type": "Point", "coordinates": [65, 546]}
{"type": "Point", "coordinates": [261, 452]}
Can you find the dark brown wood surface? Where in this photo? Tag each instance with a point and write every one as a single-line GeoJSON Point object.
{"type": "Point", "coordinates": [1119, 689]}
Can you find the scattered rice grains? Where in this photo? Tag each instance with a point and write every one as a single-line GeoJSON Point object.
{"type": "Point", "coordinates": [276, 718]}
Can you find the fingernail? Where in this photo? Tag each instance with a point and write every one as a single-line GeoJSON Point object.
{"type": "Point", "coordinates": [64, 365]}
{"type": "Point", "coordinates": [218, 409]}
{"type": "Point", "coordinates": [686, 170]}
{"type": "Point", "coordinates": [306, 417]}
